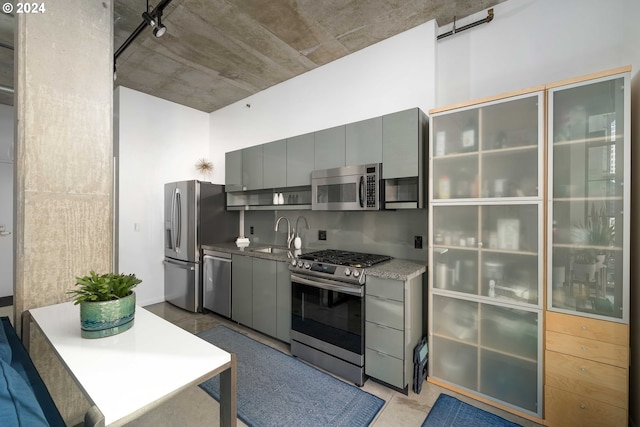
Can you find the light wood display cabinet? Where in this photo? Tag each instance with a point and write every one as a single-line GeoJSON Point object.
{"type": "Point", "coordinates": [486, 239]}
{"type": "Point", "coordinates": [587, 322]}
{"type": "Point", "coordinates": [529, 250]}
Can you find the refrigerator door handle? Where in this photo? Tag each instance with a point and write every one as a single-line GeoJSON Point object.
{"type": "Point", "coordinates": [172, 221]}
{"type": "Point", "coordinates": [178, 219]}
{"type": "Point", "coordinates": [179, 264]}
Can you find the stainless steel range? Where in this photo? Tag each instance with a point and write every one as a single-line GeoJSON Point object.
{"type": "Point", "coordinates": [327, 310]}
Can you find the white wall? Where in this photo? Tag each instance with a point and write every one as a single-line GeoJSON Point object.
{"type": "Point", "coordinates": [159, 142]}
{"type": "Point", "coordinates": [532, 42]}
{"type": "Point", "coordinates": [392, 75]}
{"type": "Point", "coordinates": [6, 199]}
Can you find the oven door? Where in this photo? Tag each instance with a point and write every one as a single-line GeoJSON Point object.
{"type": "Point", "coordinates": [329, 311]}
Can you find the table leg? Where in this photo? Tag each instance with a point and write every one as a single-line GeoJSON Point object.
{"type": "Point", "coordinates": [228, 395]}
{"type": "Point", "coordinates": [25, 331]}
{"type": "Point", "coordinates": [94, 417]}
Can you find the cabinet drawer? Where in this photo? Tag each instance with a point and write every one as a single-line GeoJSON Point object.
{"type": "Point", "coordinates": [597, 351]}
{"type": "Point", "coordinates": [384, 368]}
{"type": "Point", "coordinates": [384, 312]}
{"type": "Point", "coordinates": [385, 288]}
{"type": "Point", "coordinates": [568, 409]}
{"type": "Point", "coordinates": [385, 339]}
{"type": "Point", "coordinates": [601, 382]}
{"type": "Point", "coordinates": [600, 330]}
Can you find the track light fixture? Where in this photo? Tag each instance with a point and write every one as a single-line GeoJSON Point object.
{"type": "Point", "coordinates": [152, 19]}
{"type": "Point", "coordinates": [155, 23]}
{"type": "Point", "coordinates": [160, 29]}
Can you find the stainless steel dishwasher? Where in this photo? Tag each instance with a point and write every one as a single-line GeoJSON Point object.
{"type": "Point", "coordinates": [216, 282]}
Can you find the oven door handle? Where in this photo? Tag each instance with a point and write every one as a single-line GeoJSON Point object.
{"type": "Point", "coordinates": [330, 285]}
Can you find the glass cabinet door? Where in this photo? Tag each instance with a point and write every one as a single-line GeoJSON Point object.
{"type": "Point", "coordinates": [489, 251]}
{"type": "Point", "coordinates": [589, 191]}
{"type": "Point", "coordinates": [488, 151]}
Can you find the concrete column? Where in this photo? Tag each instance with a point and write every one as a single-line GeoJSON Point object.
{"type": "Point", "coordinates": [64, 160]}
{"type": "Point", "coordinates": [63, 166]}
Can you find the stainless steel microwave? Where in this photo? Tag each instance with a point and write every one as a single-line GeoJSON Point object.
{"type": "Point", "coordinates": [349, 188]}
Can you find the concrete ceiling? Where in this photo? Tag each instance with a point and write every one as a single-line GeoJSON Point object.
{"type": "Point", "coordinates": [216, 52]}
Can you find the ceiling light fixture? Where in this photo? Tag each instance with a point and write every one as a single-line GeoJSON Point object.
{"type": "Point", "coordinates": [152, 19]}
{"type": "Point", "coordinates": [160, 29]}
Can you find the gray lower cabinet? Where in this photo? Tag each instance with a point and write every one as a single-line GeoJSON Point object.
{"type": "Point", "coordinates": [403, 136]}
{"type": "Point", "coordinates": [233, 171]}
{"type": "Point", "coordinates": [274, 164]}
{"type": "Point", "coordinates": [264, 296]}
{"type": "Point", "coordinates": [300, 159]}
{"type": "Point", "coordinates": [363, 143]}
{"type": "Point", "coordinates": [329, 148]}
{"type": "Point", "coordinates": [242, 289]}
{"type": "Point", "coordinates": [393, 328]}
{"type": "Point", "coordinates": [261, 295]}
{"type": "Point", "coordinates": [283, 302]}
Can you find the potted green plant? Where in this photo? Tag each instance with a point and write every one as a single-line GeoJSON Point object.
{"type": "Point", "coordinates": [596, 234]}
{"type": "Point", "coordinates": [107, 303]}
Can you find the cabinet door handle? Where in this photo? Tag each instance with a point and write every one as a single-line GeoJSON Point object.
{"type": "Point", "coordinates": [584, 327]}
{"type": "Point", "coordinates": [583, 370]}
{"type": "Point", "coordinates": [583, 348]}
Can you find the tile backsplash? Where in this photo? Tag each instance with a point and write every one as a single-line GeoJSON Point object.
{"type": "Point", "coordinates": [381, 232]}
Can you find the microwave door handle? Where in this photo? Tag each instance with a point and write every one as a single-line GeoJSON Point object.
{"type": "Point", "coordinates": [361, 195]}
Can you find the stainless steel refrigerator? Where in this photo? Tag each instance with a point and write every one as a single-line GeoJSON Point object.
{"type": "Point", "coordinates": [194, 215]}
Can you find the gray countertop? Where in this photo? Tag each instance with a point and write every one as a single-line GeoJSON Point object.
{"type": "Point", "coordinates": [396, 269]}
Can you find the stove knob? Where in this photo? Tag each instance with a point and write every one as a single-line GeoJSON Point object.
{"type": "Point", "coordinates": [356, 273]}
{"type": "Point", "coordinates": [307, 265]}
{"type": "Point", "coordinates": [294, 263]}
{"type": "Point", "coordinates": [300, 264]}
{"type": "Point", "coordinates": [347, 272]}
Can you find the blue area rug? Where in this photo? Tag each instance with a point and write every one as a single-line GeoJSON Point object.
{"type": "Point", "coordinates": [275, 389]}
{"type": "Point", "coordinates": [451, 412]}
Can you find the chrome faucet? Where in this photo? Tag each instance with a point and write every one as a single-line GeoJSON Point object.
{"type": "Point", "coordinates": [289, 234]}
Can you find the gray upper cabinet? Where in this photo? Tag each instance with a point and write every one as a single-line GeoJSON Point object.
{"type": "Point", "coordinates": [300, 160]}
{"type": "Point", "coordinates": [403, 144]}
{"type": "Point", "coordinates": [274, 164]}
{"type": "Point", "coordinates": [329, 148]}
{"type": "Point", "coordinates": [252, 167]}
{"type": "Point", "coordinates": [233, 171]}
{"type": "Point", "coordinates": [364, 142]}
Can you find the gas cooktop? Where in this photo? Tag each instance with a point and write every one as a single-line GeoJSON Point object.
{"type": "Point", "coordinates": [346, 258]}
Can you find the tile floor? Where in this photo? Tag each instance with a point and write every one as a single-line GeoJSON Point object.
{"type": "Point", "coordinates": [193, 407]}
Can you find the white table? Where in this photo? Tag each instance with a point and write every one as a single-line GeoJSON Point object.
{"type": "Point", "coordinates": [126, 375]}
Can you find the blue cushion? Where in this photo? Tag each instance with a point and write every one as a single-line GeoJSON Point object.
{"type": "Point", "coordinates": [18, 405]}
{"type": "Point", "coordinates": [5, 346]}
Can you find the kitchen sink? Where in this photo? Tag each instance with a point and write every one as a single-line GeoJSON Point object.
{"type": "Point", "coordinates": [272, 250]}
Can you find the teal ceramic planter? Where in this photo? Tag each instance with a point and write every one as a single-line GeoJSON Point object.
{"type": "Point", "coordinates": [106, 318]}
